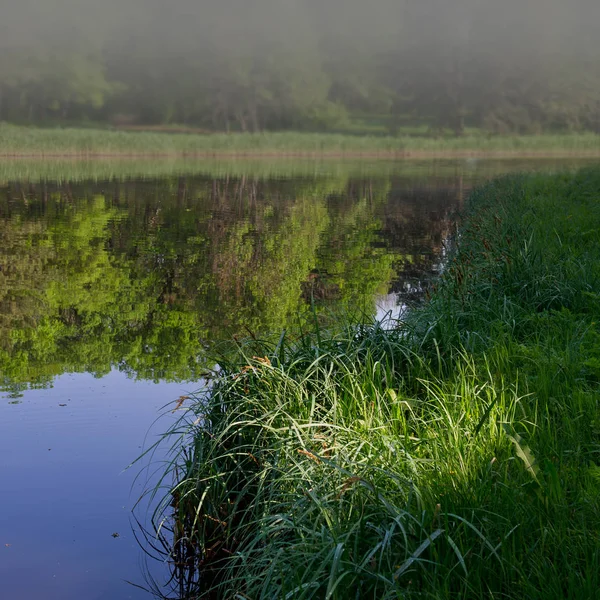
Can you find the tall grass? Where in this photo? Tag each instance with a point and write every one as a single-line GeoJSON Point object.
{"type": "Point", "coordinates": [454, 455]}
{"type": "Point", "coordinates": [24, 141]}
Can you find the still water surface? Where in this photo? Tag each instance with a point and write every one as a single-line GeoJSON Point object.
{"type": "Point", "coordinates": [112, 291]}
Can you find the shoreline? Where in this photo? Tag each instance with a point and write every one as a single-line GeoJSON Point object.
{"type": "Point", "coordinates": [252, 155]}
{"type": "Point", "coordinates": [102, 167]}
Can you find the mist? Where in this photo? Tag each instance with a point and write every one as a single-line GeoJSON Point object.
{"type": "Point", "coordinates": [521, 66]}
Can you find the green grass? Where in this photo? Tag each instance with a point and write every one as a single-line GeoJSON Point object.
{"type": "Point", "coordinates": [455, 455]}
{"type": "Point", "coordinates": [35, 142]}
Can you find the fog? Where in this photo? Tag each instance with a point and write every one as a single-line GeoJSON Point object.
{"type": "Point", "coordinates": [509, 65]}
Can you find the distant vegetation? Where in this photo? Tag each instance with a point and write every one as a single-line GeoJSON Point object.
{"type": "Point", "coordinates": [420, 66]}
{"type": "Point", "coordinates": [456, 455]}
{"type": "Point", "coordinates": [16, 141]}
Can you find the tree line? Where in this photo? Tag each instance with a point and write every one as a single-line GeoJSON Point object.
{"type": "Point", "coordinates": [228, 65]}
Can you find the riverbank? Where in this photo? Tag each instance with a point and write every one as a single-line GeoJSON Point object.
{"type": "Point", "coordinates": [30, 142]}
{"type": "Point", "coordinates": [454, 456]}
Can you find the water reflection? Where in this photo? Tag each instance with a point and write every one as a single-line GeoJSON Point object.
{"type": "Point", "coordinates": [140, 276]}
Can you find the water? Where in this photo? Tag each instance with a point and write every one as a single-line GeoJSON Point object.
{"type": "Point", "coordinates": [112, 291]}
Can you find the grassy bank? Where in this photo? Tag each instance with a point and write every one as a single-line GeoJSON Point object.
{"type": "Point", "coordinates": [32, 142]}
{"type": "Point", "coordinates": [456, 455]}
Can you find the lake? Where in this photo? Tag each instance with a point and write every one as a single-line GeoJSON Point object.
{"type": "Point", "coordinates": [115, 289]}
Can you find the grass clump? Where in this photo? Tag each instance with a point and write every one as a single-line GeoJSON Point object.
{"type": "Point", "coordinates": [455, 455]}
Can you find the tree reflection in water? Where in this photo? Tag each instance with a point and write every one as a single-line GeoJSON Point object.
{"type": "Point", "coordinates": [143, 275]}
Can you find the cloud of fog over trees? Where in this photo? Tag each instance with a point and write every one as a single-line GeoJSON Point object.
{"type": "Point", "coordinates": [510, 65]}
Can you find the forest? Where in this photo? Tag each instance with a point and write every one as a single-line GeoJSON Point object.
{"type": "Point", "coordinates": [382, 67]}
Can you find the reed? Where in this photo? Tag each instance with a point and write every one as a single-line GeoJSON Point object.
{"type": "Point", "coordinates": [35, 142]}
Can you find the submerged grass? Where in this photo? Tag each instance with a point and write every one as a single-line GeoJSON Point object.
{"type": "Point", "coordinates": [35, 142]}
{"type": "Point", "coordinates": [455, 455]}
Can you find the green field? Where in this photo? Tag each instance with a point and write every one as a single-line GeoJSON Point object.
{"type": "Point", "coordinates": [18, 141]}
{"type": "Point", "coordinates": [453, 455]}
